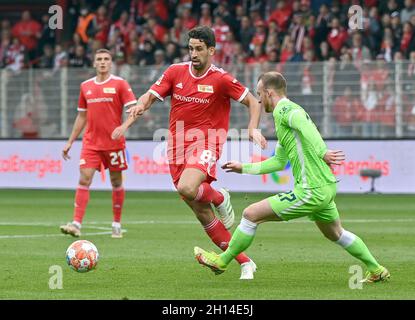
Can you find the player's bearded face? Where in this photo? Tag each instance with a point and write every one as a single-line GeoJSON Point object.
{"type": "Point", "coordinates": [199, 54]}
{"type": "Point", "coordinates": [263, 97]}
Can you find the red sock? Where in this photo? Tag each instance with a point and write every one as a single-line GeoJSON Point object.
{"type": "Point", "coordinates": [81, 201]}
{"type": "Point", "coordinates": [118, 195]}
{"type": "Point", "coordinates": [221, 237]}
{"type": "Point", "coordinates": [207, 194]}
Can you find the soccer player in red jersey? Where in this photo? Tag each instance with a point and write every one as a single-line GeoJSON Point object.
{"type": "Point", "coordinates": [100, 106]}
{"type": "Point", "coordinates": [199, 120]}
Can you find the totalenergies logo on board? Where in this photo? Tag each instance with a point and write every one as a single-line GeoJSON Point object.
{"type": "Point", "coordinates": [277, 178]}
{"type": "Point", "coordinates": [353, 167]}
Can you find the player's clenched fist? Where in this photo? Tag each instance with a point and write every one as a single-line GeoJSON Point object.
{"type": "Point", "coordinates": [65, 151]}
{"type": "Point", "coordinates": [256, 136]}
{"type": "Point", "coordinates": [232, 166]}
{"type": "Point", "coordinates": [118, 132]}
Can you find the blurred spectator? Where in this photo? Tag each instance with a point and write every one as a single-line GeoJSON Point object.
{"type": "Point", "coordinates": [28, 31]}
{"type": "Point", "coordinates": [344, 112]}
{"type": "Point", "coordinates": [324, 53]}
{"type": "Point", "coordinates": [260, 35]}
{"type": "Point", "coordinates": [177, 33]}
{"type": "Point", "coordinates": [229, 50]}
{"type": "Point", "coordinates": [84, 27]}
{"type": "Point", "coordinates": [60, 59]}
{"type": "Point", "coordinates": [287, 49]}
{"type": "Point", "coordinates": [360, 53]}
{"type": "Point", "coordinates": [406, 38]}
{"type": "Point", "coordinates": [14, 56]}
{"type": "Point", "coordinates": [387, 110]}
{"type": "Point", "coordinates": [172, 53]}
{"type": "Point", "coordinates": [205, 17]}
{"type": "Point", "coordinates": [322, 25]}
{"type": "Point", "coordinates": [258, 56]}
{"type": "Point", "coordinates": [47, 35]}
{"type": "Point", "coordinates": [228, 19]}
{"type": "Point", "coordinates": [246, 33]}
{"type": "Point", "coordinates": [100, 25]}
{"type": "Point", "coordinates": [46, 61]}
{"type": "Point", "coordinates": [157, 29]}
{"type": "Point", "coordinates": [124, 25]}
{"type": "Point", "coordinates": [408, 76]}
{"type": "Point", "coordinates": [407, 11]}
{"type": "Point", "coordinates": [298, 31]}
{"type": "Point", "coordinates": [396, 26]}
{"type": "Point", "coordinates": [281, 15]}
{"type": "Point", "coordinates": [28, 126]}
{"type": "Point", "coordinates": [346, 74]}
{"type": "Point", "coordinates": [79, 59]}
{"type": "Point", "coordinates": [368, 115]}
{"type": "Point", "coordinates": [188, 21]}
{"type": "Point", "coordinates": [146, 56]}
{"type": "Point", "coordinates": [337, 36]}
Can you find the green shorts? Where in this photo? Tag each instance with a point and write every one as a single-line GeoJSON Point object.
{"type": "Point", "coordinates": [317, 204]}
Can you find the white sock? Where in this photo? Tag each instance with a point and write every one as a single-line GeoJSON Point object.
{"type": "Point", "coordinates": [247, 227]}
{"type": "Point", "coordinates": [346, 239]}
{"type": "Point", "coordinates": [116, 224]}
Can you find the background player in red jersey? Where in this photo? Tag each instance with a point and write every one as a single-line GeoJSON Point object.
{"type": "Point", "coordinates": [101, 103]}
{"type": "Point", "coordinates": [199, 119]}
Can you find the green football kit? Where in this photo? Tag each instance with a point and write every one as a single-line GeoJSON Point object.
{"type": "Point", "coordinates": [300, 143]}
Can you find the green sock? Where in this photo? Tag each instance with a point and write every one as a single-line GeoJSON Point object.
{"type": "Point", "coordinates": [240, 242]}
{"type": "Point", "coordinates": [357, 248]}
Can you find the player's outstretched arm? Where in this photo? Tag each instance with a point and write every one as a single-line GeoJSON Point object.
{"type": "Point", "coordinates": [254, 116]}
{"type": "Point", "coordinates": [277, 162]}
{"type": "Point", "coordinates": [143, 103]}
{"type": "Point", "coordinates": [79, 125]}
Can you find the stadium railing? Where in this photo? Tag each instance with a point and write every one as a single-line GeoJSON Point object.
{"type": "Point", "coordinates": [345, 99]}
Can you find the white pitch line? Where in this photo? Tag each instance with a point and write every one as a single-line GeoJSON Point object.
{"type": "Point", "coordinates": [16, 236]}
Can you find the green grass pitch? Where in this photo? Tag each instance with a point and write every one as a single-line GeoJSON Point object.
{"type": "Point", "coordinates": [155, 259]}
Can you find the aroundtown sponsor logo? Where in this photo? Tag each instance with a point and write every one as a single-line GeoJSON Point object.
{"type": "Point", "coordinates": [190, 99]}
{"type": "Point", "coordinates": [96, 100]}
{"type": "Point", "coordinates": [41, 166]}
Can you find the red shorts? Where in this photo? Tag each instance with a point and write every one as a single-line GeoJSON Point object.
{"type": "Point", "coordinates": [114, 160]}
{"type": "Point", "coordinates": [206, 163]}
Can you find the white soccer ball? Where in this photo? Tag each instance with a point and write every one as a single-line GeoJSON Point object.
{"type": "Point", "coordinates": [82, 256]}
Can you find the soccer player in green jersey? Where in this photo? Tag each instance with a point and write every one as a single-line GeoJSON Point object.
{"type": "Point", "coordinates": [315, 185]}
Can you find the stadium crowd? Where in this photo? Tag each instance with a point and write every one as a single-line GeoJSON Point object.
{"type": "Point", "coordinates": [249, 35]}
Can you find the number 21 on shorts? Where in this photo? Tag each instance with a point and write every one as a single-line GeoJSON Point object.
{"type": "Point", "coordinates": [117, 158]}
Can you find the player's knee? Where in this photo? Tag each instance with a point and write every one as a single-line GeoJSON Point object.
{"type": "Point", "coordinates": [333, 235]}
{"type": "Point", "coordinates": [85, 181]}
{"type": "Point", "coordinates": [249, 214]}
{"type": "Point", "coordinates": [116, 183]}
{"type": "Point", "coordinates": [187, 191]}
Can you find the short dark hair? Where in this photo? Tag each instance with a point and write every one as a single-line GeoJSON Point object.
{"type": "Point", "coordinates": [274, 80]}
{"type": "Point", "coordinates": [204, 34]}
{"type": "Point", "coordinates": [102, 50]}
